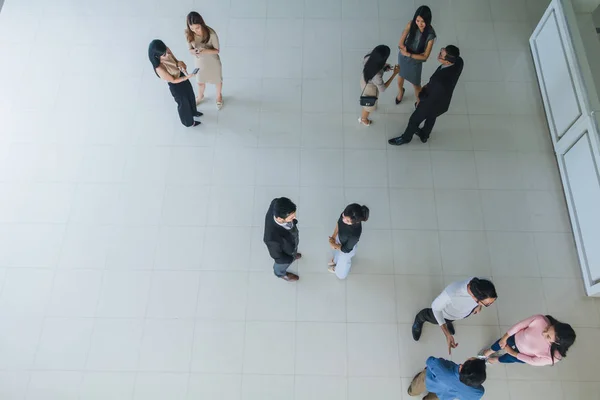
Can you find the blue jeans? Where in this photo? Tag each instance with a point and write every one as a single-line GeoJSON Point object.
{"type": "Point", "coordinates": [507, 358]}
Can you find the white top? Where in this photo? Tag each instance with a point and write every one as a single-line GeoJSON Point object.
{"type": "Point", "coordinates": [453, 303]}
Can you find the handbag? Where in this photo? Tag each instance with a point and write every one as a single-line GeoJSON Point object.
{"type": "Point", "coordinates": [367, 101]}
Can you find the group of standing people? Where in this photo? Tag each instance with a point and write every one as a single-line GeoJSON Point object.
{"type": "Point", "coordinates": [414, 48]}
{"type": "Point", "coordinates": [538, 340]}
{"type": "Point", "coordinates": [203, 45]}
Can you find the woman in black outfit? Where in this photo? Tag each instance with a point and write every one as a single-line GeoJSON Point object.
{"type": "Point", "coordinates": [345, 238]}
{"type": "Point", "coordinates": [168, 68]}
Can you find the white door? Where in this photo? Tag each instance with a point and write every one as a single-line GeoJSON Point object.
{"type": "Point", "coordinates": [566, 86]}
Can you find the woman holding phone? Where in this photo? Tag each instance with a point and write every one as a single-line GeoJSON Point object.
{"type": "Point", "coordinates": [168, 68]}
{"type": "Point", "coordinates": [415, 47]}
{"type": "Point", "coordinates": [203, 44]}
{"type": "Point", "coordinates": [371, 82]}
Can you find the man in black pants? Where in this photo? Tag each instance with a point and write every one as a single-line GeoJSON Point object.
{"type": "Point", "coordinates": [434, 98]}
{"type": "Point", "coordinates": [281, 237]}
{"type": "Point", "coordinates": [458, 301]}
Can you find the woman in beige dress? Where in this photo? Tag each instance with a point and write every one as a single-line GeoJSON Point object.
{"type": "Point", "coordinates": [203, 44]}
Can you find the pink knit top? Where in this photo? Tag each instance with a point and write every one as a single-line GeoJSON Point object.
{"type": "Point", "coordinates": [533, 347]}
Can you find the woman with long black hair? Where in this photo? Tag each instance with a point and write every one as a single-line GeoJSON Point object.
{"type": "Point", "coordinates": [371, 81]}
{"type": "Point", "coordinates": [415, 47]}
{"type": "Point", "coordinates": [538, 340]}
{"type": "Point", "coordinates": [168, 68]}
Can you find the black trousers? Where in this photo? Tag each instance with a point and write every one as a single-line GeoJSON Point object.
{"type": "Point", "coordinates": [426, 315]}
{"type": "Point", "coordinates": [415, 120]}
{"type": "Point", "coordinates": [183, 93]}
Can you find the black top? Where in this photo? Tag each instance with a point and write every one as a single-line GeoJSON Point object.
{"type": "Point", "coordinates": [282, 243]}
{"type": "Point", "coordinates": [436, 95]}
{"type": "Point", "coordinates": [349, 234]}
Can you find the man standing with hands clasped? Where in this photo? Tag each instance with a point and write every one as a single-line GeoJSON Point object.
{"type": "Point", "coordinates": [458, 301]}
{"type": "Point", "coordinates": [434, 99]}
{"type": "Point", "coordinates": [281, 237]}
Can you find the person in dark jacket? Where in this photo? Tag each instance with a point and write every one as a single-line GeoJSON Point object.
{"type": "Point", "coordinates": [434, 98]}
{"type": "Point", "coordinates": [281, 236]}
{"type": "Point", "coordinates": [345, 238]}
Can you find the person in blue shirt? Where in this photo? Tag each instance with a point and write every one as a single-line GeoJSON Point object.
{"type": "Point", "coordinates": [445, 380]}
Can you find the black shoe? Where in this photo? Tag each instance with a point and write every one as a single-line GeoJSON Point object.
{"type": "Point", "coordinates": [196, 123]}
{"type": "Point", "coordinates": [450, 327]}
{"type": "Point", "coordinates": [417, 329]}
{"type": "Point", "coordinates": [422, 136]}
{"type": "Point", "coordinates": [398, 141]}
{"type": "Point", "coordinates": [198, 114]}
{"type": "Point", "coordinates": [399, 101]}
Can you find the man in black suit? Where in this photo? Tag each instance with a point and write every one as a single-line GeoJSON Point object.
{"type": "Point", "coordinates": [281, 236]}
{"type": "Point", "coordinates": [434, 98]}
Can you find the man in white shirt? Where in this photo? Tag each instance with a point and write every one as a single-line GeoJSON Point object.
{"type": "Point", "coordinates": [457, 301]}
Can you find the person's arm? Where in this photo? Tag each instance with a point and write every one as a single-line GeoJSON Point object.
{"type": "Point", "coordinates": [349, 245]}
{"type": "Point", "coordinates": [277, 253]}
{"type": "Point", "coordinates": [401, 45]}
{"type": "Point", "coordinates": [332, 239]}
{"type": "Point", "coordinates": [531, 360]}
{"type": "Point", "coordinates": [163, 74]}
{"type": "Point", "coordinates": [394, 73]}
{"type": "Point", "coordinates": [438, 305]}
{"type": "Point", "coordinates": [424, 56]}
{"type": "Point", "coordinates": [519, 326]}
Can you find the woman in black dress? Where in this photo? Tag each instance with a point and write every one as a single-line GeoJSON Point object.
{"type": "Point", "coordinates": [168, 68]}
{"type": "Point", "coordinates": [345, 238]}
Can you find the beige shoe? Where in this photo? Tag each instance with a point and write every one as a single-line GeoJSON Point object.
{"type": "Point", "coordinates": [331, 269]}
{"type": "Point", "coordinates": [219, 104]}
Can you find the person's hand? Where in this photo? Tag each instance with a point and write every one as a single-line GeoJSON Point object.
{"type": "Point", "coordinates": [451, 343]}
{"type": "Point", "coordinates": [404, 52]}
{"type": "Point", "coordinates": [502, 342]}
{"type": "Point", "coordinates": [477, 309]}
{"type": "Point", "coordinates": [396, 69]}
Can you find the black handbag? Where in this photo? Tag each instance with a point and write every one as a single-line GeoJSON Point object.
{"type": "Point", "coordinates": [367, 101]}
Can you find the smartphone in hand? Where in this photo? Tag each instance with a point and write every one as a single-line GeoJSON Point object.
{"type": "Point", "coordinates": [195, 71]}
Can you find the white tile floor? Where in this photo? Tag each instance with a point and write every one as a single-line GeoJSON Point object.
{"type": "Point", "coordinates": [131, 261]}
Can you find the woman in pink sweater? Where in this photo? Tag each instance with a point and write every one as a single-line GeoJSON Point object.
{"type": "Point", "coordinates": [538, 340]}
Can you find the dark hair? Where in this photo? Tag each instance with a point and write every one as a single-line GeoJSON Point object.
{"type": "Point", "coordinates": [452, 53]}
{"type": "Point", "coordinates": [357, 213]}
{"type": "Point", "coordinates": [425, 13]}
{"type": "Point", "coordinates": [565, 337]}
{"type": "Point", "coordinates": [472, 372]}
{"type": "Point", "coordinates": [283, 207]}
{"type": "Point", "coordinates": [156, 49]}
{"type": "Point", "coordinates": [194, 18]}
{"type": "Point", "coordinates": [483, 289]}
{"type": "Point", "coordinates": [377, 59]}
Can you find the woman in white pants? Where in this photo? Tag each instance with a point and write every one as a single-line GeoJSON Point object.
{"type": "Point", "coordinates": [345, 238]}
